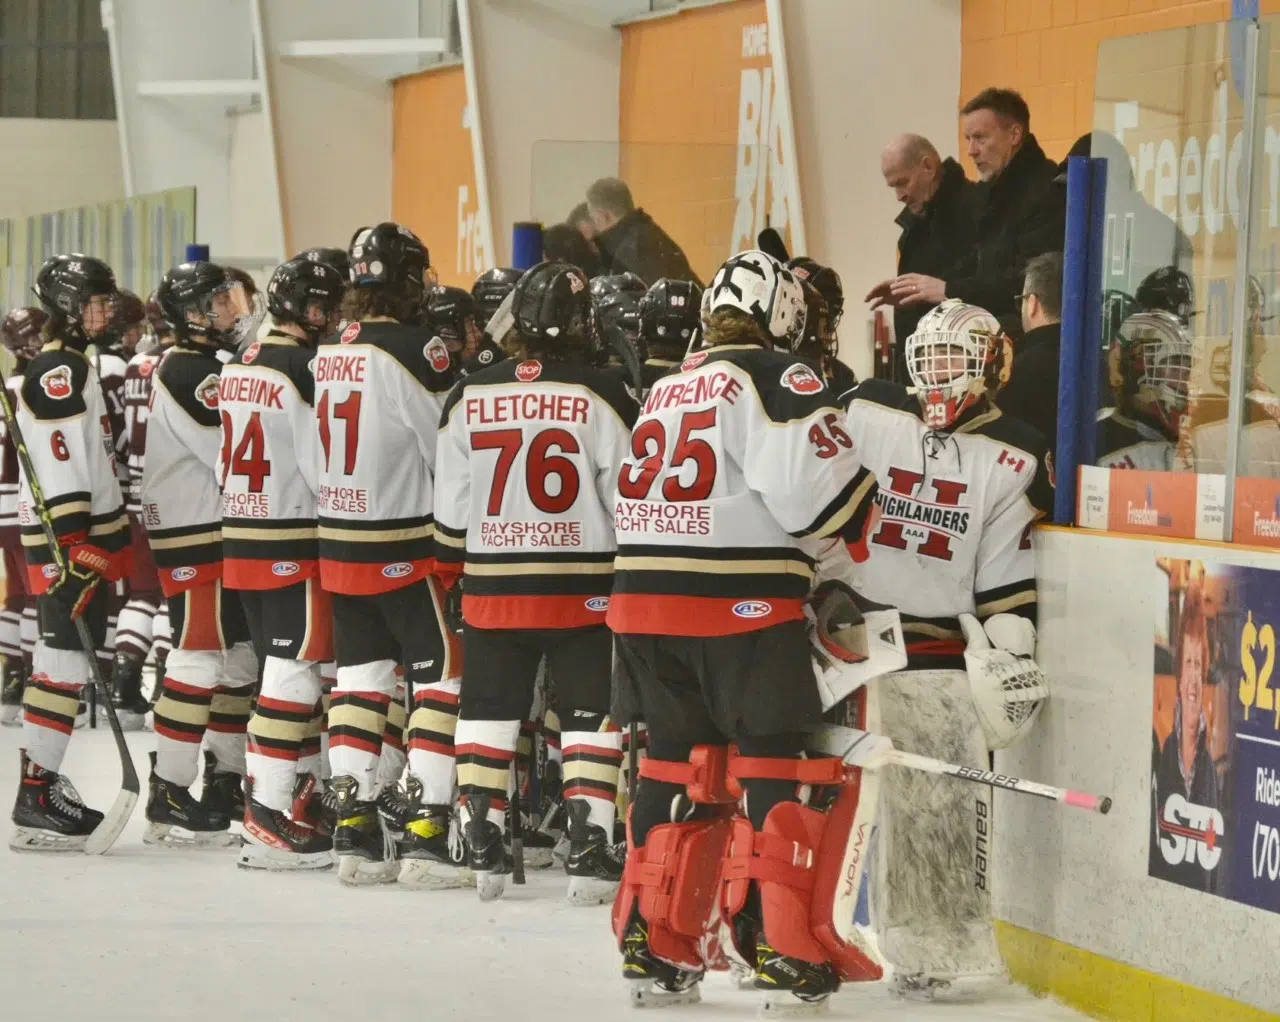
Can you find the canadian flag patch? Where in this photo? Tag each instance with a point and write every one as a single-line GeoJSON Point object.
{"type": "Point", "coordinates": [57, 382]}
{"type": "Point", "coordinates": [437, 354]}
{"type": "Point", "coordinates": [207, 392]}
{"type": "Point", "coordinates": [800, 379]}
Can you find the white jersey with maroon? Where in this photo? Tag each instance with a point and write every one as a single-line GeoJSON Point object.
{"type": "Point", "coordinates": [139, 375]}
{"type": "Point", "coordinates": [526, 480]}
{"type": "Point", "coordinates": [956, 511]}
{"type": "Point", "coordinates": [9, 461]}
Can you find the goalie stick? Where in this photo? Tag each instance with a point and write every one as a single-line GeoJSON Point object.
{"type": "Point", "coordinates": [863, 749]}
{"type": "Point", "coordinates": [108, 831]}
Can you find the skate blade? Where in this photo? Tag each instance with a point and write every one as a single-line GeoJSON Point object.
{"type": "Point", "coordinates": [108, 832]}
{"type": "Point", "coordinates": [784, 1004]}
{"type": "Point", "coordinates": [168, 835]}
{"type": "Point", "coordinates": [430, 875]}
{"type": "Point", "coordinates": [490, 885]}
{"type": "Point", "coordinates": [354, 871]}
{"type": "Point", "coordinates": [32, 839]}
{"type": "Point", "coordinates": [588, 891]}
{"type": "Point", "coordinates": [11, 716]}
{"type": "Point", "coordinates": [560, 853]}
{"type": "Point", "coordinates": [926, 988]}
{"type": "Point", "coordinates": [277, 860]}
{"type": "Point", "coordinates": [643, 994]}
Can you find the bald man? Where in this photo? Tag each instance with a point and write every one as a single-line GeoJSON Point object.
{"type": "Point", "coordinates": [937, 230]}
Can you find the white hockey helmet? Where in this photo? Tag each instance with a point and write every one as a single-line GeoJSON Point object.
{"type": "Point", "coordinates": [1008, 690]}
{"type": "Point", "coordinates": [957, 354]}
{"type": "Point", "coordinates": [1155, 366]}
{"type": "Point", "coordinates": [757, 284]}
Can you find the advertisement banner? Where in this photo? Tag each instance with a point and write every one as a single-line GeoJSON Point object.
{"type": "Point", "coordinates": [1215, 758]}
{"type": "Point", "coordinates": [1175, 505]}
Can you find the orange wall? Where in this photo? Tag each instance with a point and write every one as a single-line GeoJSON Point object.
{"type": "Point", "coordinates": [1048, 49]}
{"type": "Point", "coordinates": [433, 181]}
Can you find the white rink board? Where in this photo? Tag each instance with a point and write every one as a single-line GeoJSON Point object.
{"type": "Point", "coordinates": [146, 934]}
{"type": "Point", "coordinates": [1081, 878]}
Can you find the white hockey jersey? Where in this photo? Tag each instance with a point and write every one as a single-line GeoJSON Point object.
{"type": "Point", "coordinates": [112, 368]}
{"type": "Point", "coordinates": [64, 422]}
{"type": "Point", "coordinates": [181, 497]}
{"type": "Point", "coordinates": [526, 480]}
{"type": "Point", "coordinates": [1131, 443]}
{"type": "Point", "coordinates": [139, 375]}
{"type": "Point", "coordinates": [734, 462]}
{"type": "Point", "coordinates": [380, 388]}
{"type": "Point", "coordinates": [270, 455]}
{"type": "Point", "coordinates": [956, 514]}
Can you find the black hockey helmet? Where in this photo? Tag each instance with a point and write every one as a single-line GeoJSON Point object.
{"type": "Point", "coordinates": [445, 313]}
{"type": "Point", "coordinates": [1168, 289]}
{"type": "Point", "coordinates": [388, 254]}
{"type": "Point", "coordinates": [617, 283]}
{"type": "Point", "coordinates": [826, 282]}
{"type": "Point", "coordinates": [490, 288]}
{"type": "Point", "coordinates": [306, 292]}
{"type": "Point", "coordinates": [335, 257]}
{"type": "Point", "coordinates": [65, 284]}
{"type": "Point", "coordinates": [20, 331]}
{"type": "Point", "coordinates": [818, 340]}
{"type": "Point", "coordinates": [207, 290]}
{"type": "Point", "coordinates": [552, 301]}
{"type": "Point", "coordinates": [670, 314]}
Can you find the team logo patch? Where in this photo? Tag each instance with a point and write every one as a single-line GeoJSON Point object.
{"type": "Point", "coordinates": [598, 603]}
{"type": "Point", "coordinates": [57, 382]}
{"type": "Point", "coordinates": [350, 333]}
{"type": "Point", "coordinates": [49, 571]}
{"type": "Point", "coordinates": [145, 367]}
{"type": "Point", "coordinates": [184, 574]}
{"type": "Point", "coordinates": [693, 361]}
{"type": "Point", "coordinates": [527, 372]}
{"type": "Point", "coordinates": [752, 608]}
{"type": "Point", "coordinates": [485, 357]}
{"type": "Point", "coordinates": [437, 354]}
{"type": "Point", "coordinates": [398, 570]}
{"type": "Point", "coordinates": [284, 568]}
{"type": "Point", "coordinates": [800, 379]}
{"type": "Point", "coordinates": [251, 353]}
{"type": "Point", "coordinates": [207, 392]}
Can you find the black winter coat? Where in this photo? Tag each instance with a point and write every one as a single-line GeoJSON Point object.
{"type": "Point", "coordinates": [1032, 391]}
{"type": "Point", "coordinates": [638, 244]}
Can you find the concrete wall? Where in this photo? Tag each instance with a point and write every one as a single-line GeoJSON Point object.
{"type": "Point", "coordinates": [52, 165]}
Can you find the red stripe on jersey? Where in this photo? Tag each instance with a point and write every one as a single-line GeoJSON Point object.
{"type": "Point", "coordinates": [703, 616]}
{"type": "Point", "coordinates": [370, 579]}
{"type": "Point", "coordinates": [257, 574]}
{"type": "Point", "coordinates": [39, 583]}
{"type": "Point", "coordinates": [188, 578]}
{"type": "Point", "coordinates": [533, 611]}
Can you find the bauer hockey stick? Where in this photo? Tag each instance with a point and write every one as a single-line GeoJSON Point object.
{"type": "Point", "coordinates": [863, 749]}
{"type": "Point", "coordinates": [108, 831]}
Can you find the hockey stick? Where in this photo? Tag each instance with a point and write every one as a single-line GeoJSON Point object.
{"type": "Point", "coordinates": [770, 242]}
{"type": "Point", "coordinates": [108, 831]}
{"type": "Point", "coordinates": [517, 824]}
{"type": "Point", "coordinates": [863, 749]}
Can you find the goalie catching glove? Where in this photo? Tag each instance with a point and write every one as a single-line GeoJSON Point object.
{"type": "Point", "coordinates": [852, 641]}
{"type": "Point", "coordinates": [1008, 686]}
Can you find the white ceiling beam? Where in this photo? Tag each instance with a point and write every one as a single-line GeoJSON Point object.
{"type": "Point", "coordinates": [361, 47]}
{"type": "Point", "coordinates": [201, 87]}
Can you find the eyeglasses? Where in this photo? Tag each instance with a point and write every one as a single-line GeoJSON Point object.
{"type": "Point", "coordinates": [1019, 299]}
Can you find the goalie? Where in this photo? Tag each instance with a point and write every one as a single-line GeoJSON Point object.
{"type": "Point", "coordinates": [960, 486]}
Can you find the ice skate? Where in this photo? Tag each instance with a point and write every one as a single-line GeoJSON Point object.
{"type": "Point", "coordinates": [361, 841]}
{"type": "Point", "coordinates": [272, 841]}
{"type": "Point", "coordinates": [314, 805]}
{"type": "Point", "coordinates": [538, 847]}
{"type": "Point", "coordinates": [593, 865]}
{"type": "Point", "coordinates": [12, 683]}
{"type": "Point", "coordinates": [177, 820]}
{"type": "Point", "coordinates": [49, 815]}
{"type": "Point", "coordinates": [792, 987]}
{"type": "Point", "coordinates": [654, 983]}
{"type": "Point", "coordinates": [932, 986]}
{"type": "Point", "coordinates": [431, 852]}
{"type": "Point", "coordinates": [485, 852]}
{"type": "Point", "coordinates": [223, 791]}
{"type": "Point", "coordinates": [396, 804]}
{"type": "Point", "coordinates": [126, 694]}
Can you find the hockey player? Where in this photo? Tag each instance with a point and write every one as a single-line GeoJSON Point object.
{"type": "Point", "coordinates": [670, 317]}
{"type": "Point", "coordinates": [334, 257]}
{"type": "Point", "coordinates": [490, 288]}
{"type": "Point", "coordinates": [1168, 289]}
{"type": "Point", "coordinates": [449, 313]}
{"type": "Point", "coordinates": [734, 462]}
{"type": "Point", "coordinates": [144, 619]}
{"type": "Point", "coordinates": [1151, 370]}
{"type": "Point", "coordinates": [20, 335]}
{"type": "Point", "coordinates": [380, 387]}
{"type": "Point", "coordinates": [64, 423]}
{"type": "Point", "coordinates": [270, 454]}
{"type": "Point", "coordinates": [825, 302]}
{"type": "Point", "coordinates": [960, 486]}
{"type": "Point", "coordinates": [181, 509]}
{"type": "Point", "coordinates": [526, 481]}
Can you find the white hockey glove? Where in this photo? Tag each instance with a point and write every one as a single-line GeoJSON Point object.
{"type": "Point", "coordinates": [852, 641]}
{"type": "Point", "coordinates": [1008, 686]}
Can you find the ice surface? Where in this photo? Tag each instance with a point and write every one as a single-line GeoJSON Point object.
{"type": "Point", "coordinates": [184, 935]}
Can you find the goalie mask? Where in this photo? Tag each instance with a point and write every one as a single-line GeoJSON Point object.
{"type": "Point", "coordinates": [757, 284]}
{"type": "Point", "coordinates": [957, 355]}
{"type": "Point", "coordinates": [1155, 368]}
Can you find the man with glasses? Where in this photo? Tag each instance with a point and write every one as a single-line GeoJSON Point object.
{"type": "Point", "coordinates": [1032, 393]}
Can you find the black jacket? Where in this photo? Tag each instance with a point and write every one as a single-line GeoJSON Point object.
{"type": "Point", "coordinates": [1021, 214]}
{"type": "Point", "coordinates": [638, 244]}
{"type": "Point", "coordinates": [1032, 391]}
{"type": "Point", "coordinates": [932, 242]}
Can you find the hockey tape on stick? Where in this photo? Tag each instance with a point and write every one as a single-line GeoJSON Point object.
{"type": "Point", "coordinates": [873, 752]}
{"type": "Point", "coordinates": [113, 824]}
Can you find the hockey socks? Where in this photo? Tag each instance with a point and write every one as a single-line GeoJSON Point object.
{"type": "Point", "coordinates": [485, 749]}
{"type": "Point", "coordinates": [431, 739]}
{"type": "Point", "coordinates": [283, 726]}
{"type": "Point", "coordinates": [592, 765]}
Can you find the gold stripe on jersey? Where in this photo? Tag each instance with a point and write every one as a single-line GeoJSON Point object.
{"type": "Point", "coordinates": [259, 533]}
{"type": "Point", "coordinates": [446, 538]}
{"type": "Point", "coordinates": [60, 509]}
{"type": "Point", "coordinates": [774, 566]}
{"type": "Point", "coordinates": [1011, 602]}
{"type": "Point", "coordinates": [541, 568]}
{"type": "Point", "coordinates": [931, 630]}
{"type": "Point", "coordinates": [353, 534]}
{"type": "Point", "coordinates": [161, 542]}
{"type": "Point", "coordinates": [114, 524]}
{"type": "Point", "coordinates": [859, 501]}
